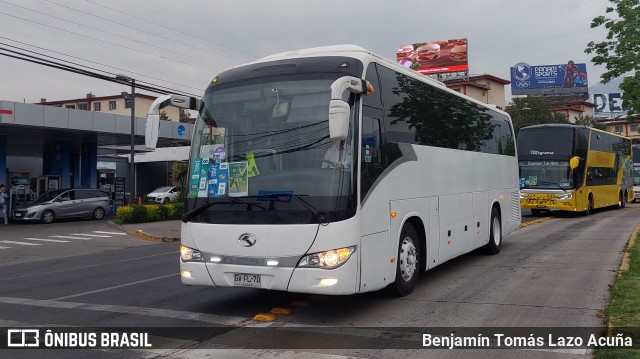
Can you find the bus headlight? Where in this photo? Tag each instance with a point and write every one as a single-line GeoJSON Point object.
{"type": "Point", "coordinates": [523, 196]}
{"type": "Point", "coordinates": [327, 260]}
{"type": "Point", "coordinates": [190, 255]}
{"type": "Point", "coordinates": [565, 196]}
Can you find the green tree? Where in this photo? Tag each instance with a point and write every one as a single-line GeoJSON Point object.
{"type": "Point", "coordinates": [531, 111]}
{"type": "Point", "coordinates": [620, 52]}
{"type": "Point", "coordinates": [164, 116]}
{"type": "Point", "coordinates": [590, 121]}
{"type": "Point", "coordinates": [179, 174]}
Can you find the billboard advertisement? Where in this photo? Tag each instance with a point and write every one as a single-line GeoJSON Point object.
{"type": "Point", "coordinates": [569, 78]}
{"type": "Point", "coordinates": [608, 99]}
{"type": "Point", "coordinates": [435, 56]}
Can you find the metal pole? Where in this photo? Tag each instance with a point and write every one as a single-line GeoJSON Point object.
{"type": "Point", "coordinates": [133, 132]}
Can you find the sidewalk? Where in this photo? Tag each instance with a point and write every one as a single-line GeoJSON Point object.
{"type": "Point", "coordinates": [162, 231]}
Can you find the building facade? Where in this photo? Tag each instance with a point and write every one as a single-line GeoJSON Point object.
{"type": "Point", "coordinates": [485, 88]}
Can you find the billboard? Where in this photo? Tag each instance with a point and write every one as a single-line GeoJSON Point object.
{"type": "Point", "coordinates": [435, 56]}
{"type": "Point", "coordinates": [608, 99]}
{"type": "Point", "coordinates": [569, 78]}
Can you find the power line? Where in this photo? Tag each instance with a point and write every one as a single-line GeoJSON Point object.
{"type": "Point", "coordinates": [90, 61]}
{"type": "Point", "coordinates": [111, 43]}
{"type": "Point", "coordinates": [61, 66]}
{"type": "Point", "coordinates": [141, 30]}
{"type": "Point", "coordinates": [171, 28]}
{"type": "Point", "coordinates": [112, 34]}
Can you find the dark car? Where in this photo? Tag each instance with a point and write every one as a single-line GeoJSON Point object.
{"type": "Point", "coordinates": [64, 203]}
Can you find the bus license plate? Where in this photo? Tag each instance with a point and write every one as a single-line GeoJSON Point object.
{"type": "Point", "coordinates": [247, 280]}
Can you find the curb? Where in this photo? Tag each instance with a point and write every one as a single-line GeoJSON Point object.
{"type": "Point", "coordinates": [522, 225]}
{"type": "Point", "coordinates": [150, 237]}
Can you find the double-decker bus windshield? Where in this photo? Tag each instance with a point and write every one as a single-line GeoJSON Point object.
{"type": "Point", "coordinates": [544, 155]}
{"type": "Point", "coordinates": [261, 153]}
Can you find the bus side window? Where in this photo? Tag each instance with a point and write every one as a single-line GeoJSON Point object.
{"type": "Point", "coordinates": [371, 151]}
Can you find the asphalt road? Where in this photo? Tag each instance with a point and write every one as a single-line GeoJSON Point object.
{"type": "Point", "coordinates": [554, 273]}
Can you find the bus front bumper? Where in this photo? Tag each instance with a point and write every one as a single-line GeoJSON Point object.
{"type": "Point", "coordinates": [547, 201]}
{"type": "Point", "coordinates": [338, 281]}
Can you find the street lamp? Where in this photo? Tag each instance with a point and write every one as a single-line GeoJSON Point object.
{"type": "Point", "coordinates": [130, 99]}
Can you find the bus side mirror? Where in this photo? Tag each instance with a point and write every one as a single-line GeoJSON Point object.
{"type": "Point", "coordinates": [574, 162]}
{"type": "Point", "coordinates": [152, 127]}
{"type": "Point", "coordinates": [338, 119]}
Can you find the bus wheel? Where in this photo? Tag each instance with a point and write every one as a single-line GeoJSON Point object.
{"type": "Point", "coordinates": [407, 266]}
{"type": "Point", "coordinates": [622, 201]}
{"type": "Point", "coordinates": [589, 206]}
{"type": "Point", "coordinates": [495, 233]}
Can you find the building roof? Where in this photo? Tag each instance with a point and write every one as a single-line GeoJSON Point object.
{"type": "Point", "coordinates": [93, 98]}
{"type": "Point", "coordinates": [467, 83]}
{"type": "Point", "coordinates": [580, 102]}
{"type": "Point", "coordinates": [490, 77]}
{"type": "Point", "coordinates": [570, 108]}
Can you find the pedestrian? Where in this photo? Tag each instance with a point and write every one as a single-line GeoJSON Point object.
{"type": "Point", "coordinates": [4, 202]}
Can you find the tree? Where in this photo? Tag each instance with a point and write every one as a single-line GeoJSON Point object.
{"type": "Point", "coordinates": [620, 52]}
{"type": "Point", "coordinates": [164, 116]}
{"type": "Point", "coordinates": [179, 174]}
{"type": "Point", "coordinates": [532, 111]}
{"type": "Point", "coordinates": [590, 121]}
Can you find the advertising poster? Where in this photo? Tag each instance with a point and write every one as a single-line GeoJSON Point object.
{"type": "Point", "coordinates": [194, 183]}
{"type": "Point", "coordinates": [238, 179]}
{"type": "Point", "coordinates": [569, 78]}
{"type": "Point", "coordinates": [204, 176]}
{"type": "Point", "coordinates": [435, 56]}
{"type": "Point", "coordinates": [218, 179]}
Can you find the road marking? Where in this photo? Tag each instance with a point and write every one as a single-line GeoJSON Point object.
{"type": "Point", "coordinates": [117, 233]}
{"type": "Point", "coordinates": [115, 287]}
{"type": "Point", "coordinates": [90, 235]}
{"type": "Point", "coordinates": [22, 243]}
{"type": "Point", "coordinates": [5, 247]}
{"type": "Point", "coordinates": [132, 310]}
{"type": "Point", "coordinates": [46, 240]}
{"type": "Point", "coordinates": [71, 237]}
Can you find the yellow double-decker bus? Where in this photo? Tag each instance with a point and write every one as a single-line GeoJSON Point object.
{"type": "Point", "coordinates": [573, 168]}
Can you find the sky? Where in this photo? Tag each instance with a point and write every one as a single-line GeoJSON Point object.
{"type": "Point", "coordinates": [183, 45]}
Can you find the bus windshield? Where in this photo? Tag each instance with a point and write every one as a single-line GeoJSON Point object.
{"type": "Point", "coordinates": [261, 137]}
{"type": "Point", "coordinates": [546, 174]}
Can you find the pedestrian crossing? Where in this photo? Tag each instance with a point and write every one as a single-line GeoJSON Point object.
{"type": "Point", "coordinates": [56, 239]}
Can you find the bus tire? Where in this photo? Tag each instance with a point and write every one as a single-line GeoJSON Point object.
{"type": "Point", "coordinates": [589, 206]}
{"type": "Point", "coordinates": [495, 233]}
{"type": "Point", "coordinates": [536, 212]}
{"type": "Point", "coordinates": [408, 265]}
{"type": "Point", "coordinates": [622, 199]}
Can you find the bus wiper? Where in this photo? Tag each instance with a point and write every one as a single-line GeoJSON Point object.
{"type": "Point", "coordinates": [285, 196]}
{"type": "Point", "coordinates": [187, 216]}
{"type": "Point", "coordinates": [544, 183]}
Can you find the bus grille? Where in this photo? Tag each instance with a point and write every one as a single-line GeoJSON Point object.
{"type": "Point", "coordinates": [515, 207]}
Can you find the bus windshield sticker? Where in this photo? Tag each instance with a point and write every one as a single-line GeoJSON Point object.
{"type": "Point", "coordinates": [533, 180]}
{"type": "Point", "coordinates": [238, 179]}
{"type": "Point", "coordinates": [253, 167]}
{"type": "Point", "coordinates": [195, 178]}
{"type": "Point", "coordinates": [204, 171]}
{"type": "Point", "coordinates": [218, 177]}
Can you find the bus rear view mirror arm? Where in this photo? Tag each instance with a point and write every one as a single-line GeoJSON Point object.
{"type": "Point", "coordinates": [339, 110]}
{"type": "Point", "coordinates": [153, 116]}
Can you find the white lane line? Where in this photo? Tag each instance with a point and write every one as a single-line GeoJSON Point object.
{"type": "Point", "coordinates": [71, 237]}
{"type": "Point", "coordinates": [115, 287]}
{"type": "Point", "coordinates": [126, 309]}
{"type": "Point", "coordinates": [22, 243]}
{"type": "Point", "coordinates": [90, 235]}
{"type": "Point", "coordinates": [117, 233]}
{"type": "Point", "coordinates": [47, 240]}
{"type": "Point", "coordinates": [5, 247]}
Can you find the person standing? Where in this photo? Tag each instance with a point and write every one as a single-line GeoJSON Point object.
{"type": "Point", "coordinates": [4, 202]}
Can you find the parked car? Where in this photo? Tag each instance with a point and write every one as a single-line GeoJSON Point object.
{"type": "Point", "coordinates": [64, 203]}
{"type": "Point", "coordinates": [164, 195]}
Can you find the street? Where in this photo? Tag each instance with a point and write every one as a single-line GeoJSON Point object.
{"type": "Point", "coordinates": [550, 274]}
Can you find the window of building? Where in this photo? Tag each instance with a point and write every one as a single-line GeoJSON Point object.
{"type": "Point", "coordinates": [70, 106]}
{"type": "Point", "coordinates": [96, 106]}
{"type": "Point", "coordinates": [618, 129]}
{"type": "Point", "coordinates": [112, 105]}
{"type": "Point", "coordinates": [633, 128]}
{"type": "Point", "coordinates": [83, 106]}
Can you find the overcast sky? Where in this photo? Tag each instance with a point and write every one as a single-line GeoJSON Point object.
{"type": "Point", "coordinates": [212, 36]}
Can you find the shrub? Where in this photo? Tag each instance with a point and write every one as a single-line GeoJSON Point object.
{"type": "Point", "coordinates": [139, 214]}
{"type": "Point", "coordinates": [164, 214]}
{"type": "Point", "coordinates": [124, 214]}
{"type": "Point", "coordinates": [153, 212]}
{"type": "Point", "coordinates": [174, 210]}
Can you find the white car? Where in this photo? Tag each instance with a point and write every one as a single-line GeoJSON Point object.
{"type": "Point", "coordinates": [164, 195]}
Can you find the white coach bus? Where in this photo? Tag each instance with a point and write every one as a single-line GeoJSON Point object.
{"type": "Point", "coordinates": [335, 171]}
